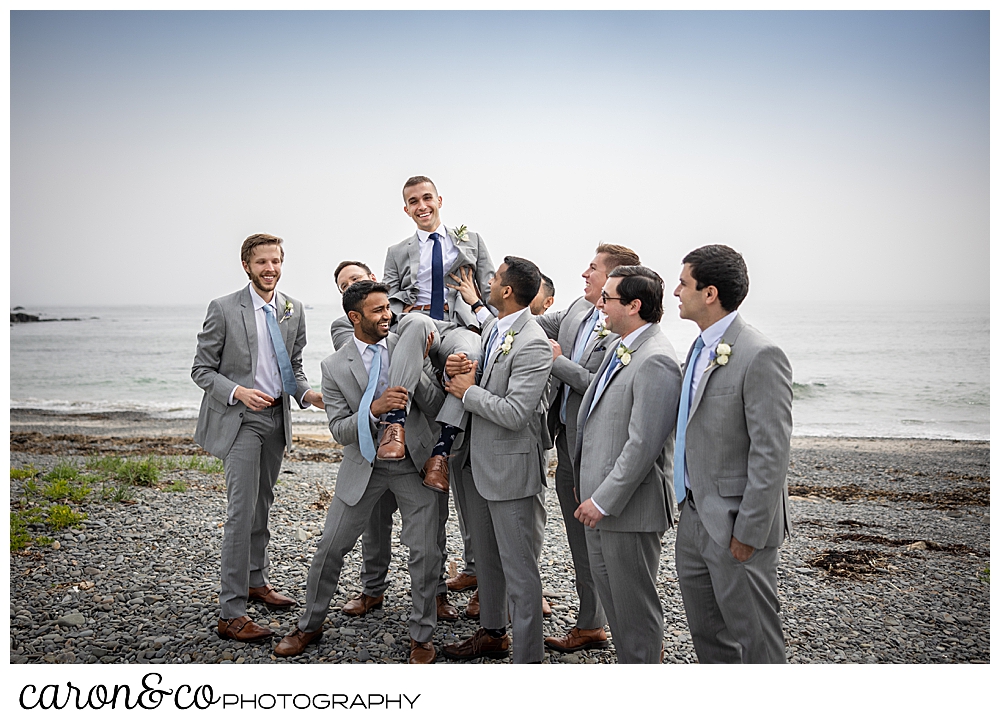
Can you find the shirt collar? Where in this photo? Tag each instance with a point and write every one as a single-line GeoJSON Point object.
{"type": "Point", "coordinates": [258, 302]}
{"type": "Point", "coordinates": [507, 322]}
{"type": "Point", "coordinates": [424, 236]}
{"type": "Point", "coordinates": [633, 335]}
{"type": "Point", "coordinates": [713, 334]}
{"type": "Point", "coordinates": [362, 346]}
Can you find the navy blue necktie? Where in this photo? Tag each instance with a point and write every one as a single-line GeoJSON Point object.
{"type": "Point", "coordinates": [437, 278]}
{"type": "Point", "coordinates": [682, 421]}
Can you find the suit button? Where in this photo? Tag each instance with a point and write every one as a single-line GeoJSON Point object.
{"type": "Point", "coordinates": [241, 414]}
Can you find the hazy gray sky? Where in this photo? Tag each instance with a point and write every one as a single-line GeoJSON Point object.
{"type": "Point", "coordinates": [845, 154]}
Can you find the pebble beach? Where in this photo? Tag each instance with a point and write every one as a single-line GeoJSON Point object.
{"type": "Point", "coordinates": [888, 560]}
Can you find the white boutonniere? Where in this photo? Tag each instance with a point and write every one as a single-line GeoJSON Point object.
{"type": "Point", "coordinates": [719, 357]}
{"type": "Point", "coordinates": [624, 354]}
{"type": "Point", "coordinates": [602, 330]}
{"type": "Point", "coordinates": [508, 340]}
{"type": "Point", "coordinates": [461, 233]}
{"type": "Point", "coordinates": [288, 312]}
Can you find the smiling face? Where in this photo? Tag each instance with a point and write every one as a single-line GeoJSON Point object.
{"type": "Point", "coordinates": [693, 301]}
{"type": "Point", "coordinates": [616, 313]}
{"type": "Point", "coordinates": [264, 269]}
{"type": "Point", "coordinates": [595, 275]}
{"type": "Point", "coordinates": [350, 274]}
{"type": "Point", "coordinates": [372, 323]}
{"type": "Point", "coordinates": [423, 205]}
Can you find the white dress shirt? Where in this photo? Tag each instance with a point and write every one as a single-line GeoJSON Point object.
{"type": "Point", "coordinates": [449, 252]}
{"type": "Point", "coordinates": [367, 357]}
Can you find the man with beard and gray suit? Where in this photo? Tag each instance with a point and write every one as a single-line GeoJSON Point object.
{"type": "Point", "coordinates": [249, 363]}
{"type": "Point", "coordinates": [416, 272]}
{"type": "Point", "coordinates": [580, 329]}
{"type": "Point", "coordinates": [623, 452]}
{"type": "Point", "coordinates": [357, 394]}
{"type": "Point", "coordinates": [507, 458]}
{"type": "Point", "coordinates": [734, 430]}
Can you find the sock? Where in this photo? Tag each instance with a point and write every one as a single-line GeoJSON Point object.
{"type": "Point", "coordinates": [394, 416]}
{"type": "Point", "coordinates": [497, 633]}
{"type": "Point", "coordinates": [446, 440]}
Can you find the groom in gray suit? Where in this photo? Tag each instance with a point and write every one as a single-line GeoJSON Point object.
{"type": "Point", "coordinates": [622, 469]}
{"type": "Point", "coordinates": [507, 465]}
{"type": "Point", "coordinates": [249, 363]}
{"type": "Point", "coordinates": [733, 439]}
{"type": "Point", "coordinates": [357, 395]}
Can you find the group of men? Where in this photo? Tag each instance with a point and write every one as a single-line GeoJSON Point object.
{"type": "Point", "coordinates": [452, 376]}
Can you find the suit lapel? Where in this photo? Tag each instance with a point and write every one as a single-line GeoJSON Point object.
{"type": "Point", "coordinates": [250, 322]}
{"type": "Point", "coordinates": [488, 363]}
{"type": "Point", "coordinates": [572, 325]}
{"type": "Point", "coordinates": [732, 332]}
{"type": "Point", "coordinates": [640, 340]}
{"type": "Point", "coordinates": [357, 365]}
{"type": "Point", "coordinates": [413, 256]}
{"type": "Point", "coordinates": [466, 253]}
{"type": "Point", "coordinates": [285, 327]}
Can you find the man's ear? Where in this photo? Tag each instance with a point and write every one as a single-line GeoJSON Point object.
{"type": "Point", "coordinates": [711, 293]}
{"type": "Point", "coordinates": [635, 306]}
{"type": "Point", "coordinates": [355, 317]}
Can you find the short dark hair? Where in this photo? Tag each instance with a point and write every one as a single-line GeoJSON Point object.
{"type": "Point", "coordinates": [550, 287]}
{"type": "Point", "coordinates": [618, 255]}
{"type": "Point", "coordinates": [356, 294]}
{"type": "Point", "coordinates": [523, 278]}
{"type": "Point", "coordinates": [416, 181]}
{"type": "Point", "coordinates": [344, 264]}
{"type": "Point", "coordinates": [644, 284]}
{"type": "Point", "coordinates": [255, 240]}
{"type": "Point", "coordinates": [722, 267]}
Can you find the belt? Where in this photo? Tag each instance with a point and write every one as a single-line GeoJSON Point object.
{"type": "Point", "coordinates": [425, 307]}
{"type": "Point", "coordinates": [277, 402]}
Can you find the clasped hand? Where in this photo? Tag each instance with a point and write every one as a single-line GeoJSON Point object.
{"type": "Point", "coordinates": [461, 373]}
{"type": "Point", "coordinates": [394, 398]}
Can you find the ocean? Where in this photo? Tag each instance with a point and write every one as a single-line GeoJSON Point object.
{"type": "Point", "coordinates": [859, 370]}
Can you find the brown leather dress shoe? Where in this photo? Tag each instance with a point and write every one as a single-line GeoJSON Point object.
{"type": "Point", "coordinates": [462, 581]}
{"type": "Point", "coordinates": [478, 645]}
{"type": "Point", "coordinates": [546, 608]}
{"type": "Point", "coordinates": [243, 629]}
{"type": "Point", "coordinates": [270, 598]}
{"type": "Point", "coordinates": [422, 652]}
{"type": "Point", "coordinates": [362, 604]}
{"type": "Point", "coordinates": [446, 612]}
{"type": "Point", "coordinates": [295, 643]}
{"type": "Point", "coordinates": [393, 445]}
{"type": "Point", "coordinates": [578, 639]}
{"type": "Point", "coordinates": [472, 610]}
{"type": "Point", "coordinates": [435, 473]}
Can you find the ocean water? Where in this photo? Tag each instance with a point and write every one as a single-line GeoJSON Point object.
{"type": "Point", "coordinates": [864, 370]}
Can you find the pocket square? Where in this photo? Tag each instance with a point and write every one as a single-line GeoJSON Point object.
{"type": "Point", "coordinates": [602, 348]}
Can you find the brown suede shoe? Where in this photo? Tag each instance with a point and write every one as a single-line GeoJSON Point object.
{"type": "Point", "coordinates": [295, 643]}
{"type": "Point", "coordinates": [461, 582]}
{"type": "Point", "coordinates": [393, 445]}
{"type": "Point", "coordinates": [578, 639]}
{"type": "Point", "coordinates": [435, 473]}
{"type": "Point", "coordinates": [472, 610]}
{"type": "Point", "coordinates": [362, 604]}
{"type": "Point", "coordinates": [422, 652]}
{"type": "Point", "coordinates": [546, 608]}
{"type": "Point", "coordinates": [243, 629]}
{"type": "Point", "coordinates": [270, 598]}
{"type": "Point", "coordinates": [446, 612]}
{"type": "Point", "coordinates": [480, 644]}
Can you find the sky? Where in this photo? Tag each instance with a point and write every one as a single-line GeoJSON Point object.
{"type": "Point", "coordinates": [845, 154]}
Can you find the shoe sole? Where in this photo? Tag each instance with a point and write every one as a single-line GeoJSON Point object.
{"type": "Point", "coordinates": [463, 588]}
{"type": "Point", "coordinates": [274, 606]}
{"type": "Point", "coordinates": [490, 655]}
{"type": "Point", "coordinates": [591, 645]}
{"type": "Point", "coordinates": [390, 457]}
{"type": "Point", "coordinates": [362, 613]}
{"type": "Point", "coordinates": [314, 641]}
{"type": "Point", "coordinates": [245, 641]}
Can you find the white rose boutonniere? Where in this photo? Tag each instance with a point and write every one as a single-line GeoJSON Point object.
{"type": "Point", "coordinates": [602, 330]}
{"type": "Point", "coordinates": [624, 354]}
{"type": "Point", "coordinates": [461, 233]}
{"type": "Point", "coordinates": [720, 355]}
{"type": "Point", "coordinates": [508, 340]}
{"type": "Point", "coordinates": [288, 312]}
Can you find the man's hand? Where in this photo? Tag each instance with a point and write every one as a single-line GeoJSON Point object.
{"type": "Point", "coordinates": [459, 383]}
{"type": "Point", "coordinates": [313, 398]}
{"type": "Point", "coordinates": [740, 551]}
{"type": "Point", "coordinates": [465, 285]}
{"type": "Point", "coordinates": [253, 399]}
{"type": "Point", "coordinates": [430, 341]}
{"type": "Point", "coordinates": [556, 349]}
{"type": "Point", "coordinates": [394, 398]}
{"type": "Point", "coordinates": [457, 364]}
{"type": "Point", "coordinates": [588, 514]}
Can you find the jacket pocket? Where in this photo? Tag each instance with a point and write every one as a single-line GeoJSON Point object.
{"type": "Point", "coordinates": [732, 487]}
{"type": "Point", "coordinates": [214, 404]}
{"type": "Point", "coordinates": [517, 446]}
{"type": "Point", "coordinates": [720, 391]}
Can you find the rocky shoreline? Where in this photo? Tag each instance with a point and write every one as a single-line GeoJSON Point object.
{"type": "Point", "coordinates": [888, 561]}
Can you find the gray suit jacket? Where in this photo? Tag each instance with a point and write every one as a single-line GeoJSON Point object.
{"type": "Point", "coordinates": [344, 383]}
{"type": "Point", "coordinates": [563, 327]}
{"type": "Point", "coordinates": [738, 441]}
{"type": "Point", "coordinates": [506, 404]}
{"type": "Point", "coordinates": [227, 356]}
{"type": "Point", "coordinates": [402, 262]}
{"type": "Point", "coordinates": [624, 452]}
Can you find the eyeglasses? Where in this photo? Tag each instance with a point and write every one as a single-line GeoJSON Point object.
{"type": "Point", "coordinates": [605, 297]}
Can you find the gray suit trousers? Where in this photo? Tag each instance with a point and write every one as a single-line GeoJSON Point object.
{"type": "Point", "coordinates": [732, 608]}
{"type": "Point", "coordinates": [344, 524]}
{"type": "Point", "coordinates": [459, 469]}
{"type": "Point", "coordinates": [624, 565]}
{"type": "Point", "coordinates": [251, 467]}
{"type": "Point", "coordinates": [449, 338]}
{"type": "Point", "coordinates": [508, 568]}
{"type": "Point", "coordinates": [591, 614]}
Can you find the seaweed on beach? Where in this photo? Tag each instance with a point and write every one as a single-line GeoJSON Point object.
{"type": "Point", "coordinates": [943, 500]}
{"type": "Point", "coordinates": [850, 564]}
{"type": "Point", "coordinates": [911, 543]}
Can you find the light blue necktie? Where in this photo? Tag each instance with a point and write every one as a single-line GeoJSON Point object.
{"type": "Point", "coordinates": [682, 420]}
{"type": "Point", "coordinates": [490, 343]}
{"type": "Point", "coordinates": [284, 364]}
{"type": "Point", "coordinates": [365, 439]}
{"type": "Point", "coordinates": [589, 323]}
{"type": "Point", "coordinates": [615, 361]}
